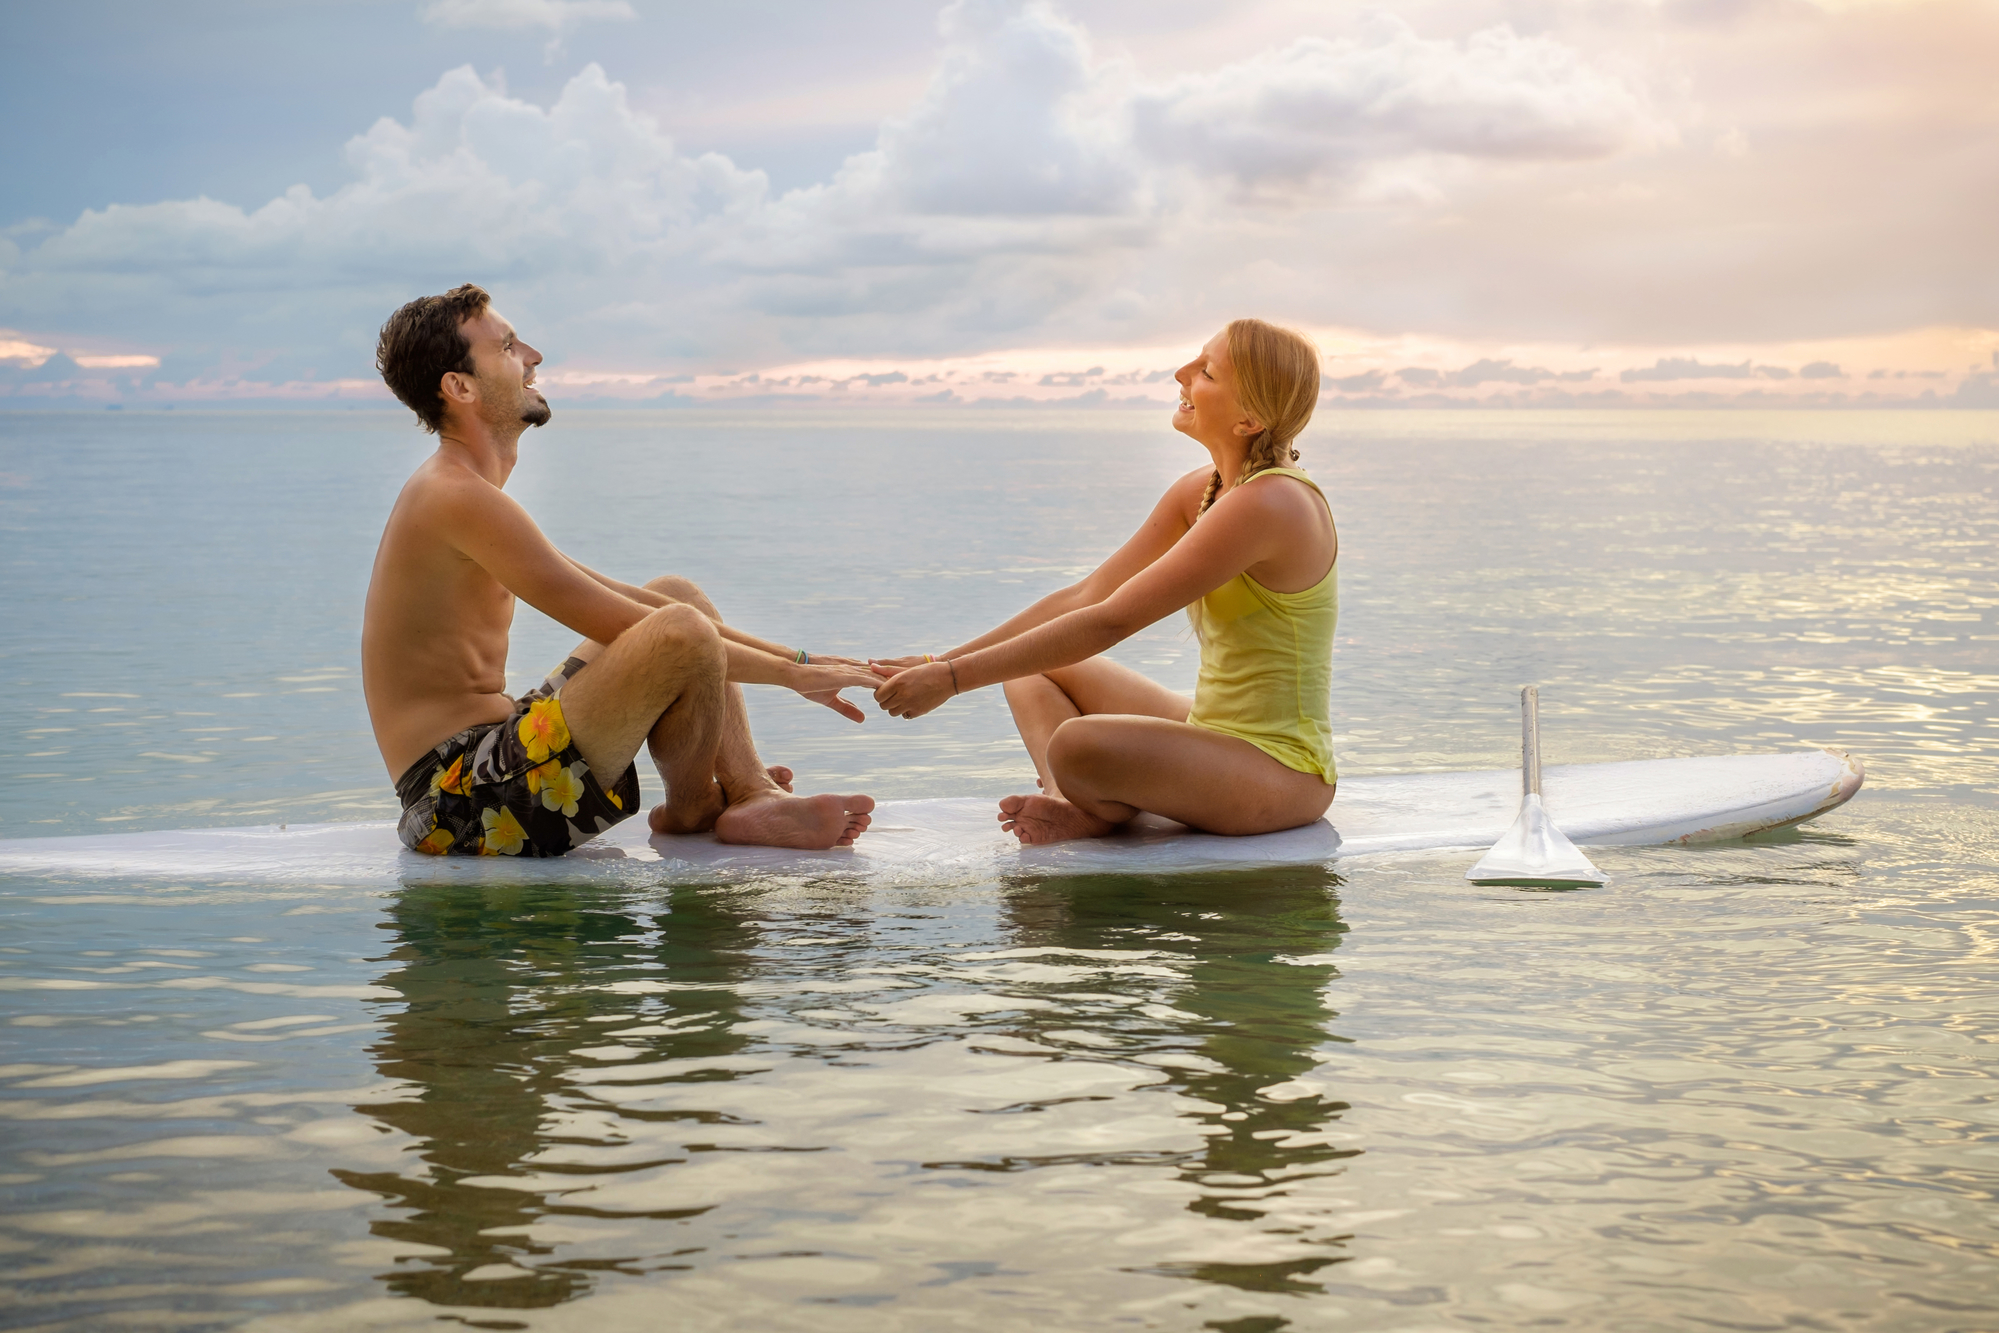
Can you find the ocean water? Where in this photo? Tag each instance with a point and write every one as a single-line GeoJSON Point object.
{"type": "Point", "coordinates": [1747, 1086]}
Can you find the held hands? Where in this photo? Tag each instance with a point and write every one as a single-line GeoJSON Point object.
{"type": "Point", "coordinates": [912, 686]}
{"type": "Point", "coordinates": [822, 679]}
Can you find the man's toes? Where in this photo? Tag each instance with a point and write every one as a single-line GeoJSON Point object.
{"type": "Point", "coordinates": [781, 775]}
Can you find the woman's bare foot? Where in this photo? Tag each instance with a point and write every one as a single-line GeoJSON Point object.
{"type": "Point", "coordinates": [1040, 819]}
{"type": "Point", "coordinates": [781, 775]}
{"type": "Point", "coordinates": [810, 822]}
{"type": "Point", "coordinates": [696, 817]}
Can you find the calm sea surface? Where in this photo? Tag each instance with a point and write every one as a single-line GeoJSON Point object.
{"type": "Point", "coordinates": [1749, 1086]}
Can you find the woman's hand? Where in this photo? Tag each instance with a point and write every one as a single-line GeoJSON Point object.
{"type": "Point", "coordinates": [903, 663]}
{"type": "Point", "coordinates": [822, 684]}
{"type": "Point", "coordinates": [914, 691]}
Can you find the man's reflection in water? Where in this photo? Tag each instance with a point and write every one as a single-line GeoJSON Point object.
{"type": "Point", "coordinates": [1252, 1011]}
{"type": "Point", "coordinates": [500, 985]}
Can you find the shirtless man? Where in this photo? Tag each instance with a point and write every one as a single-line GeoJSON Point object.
{"type": "Point", "coordinates": [480, 772]}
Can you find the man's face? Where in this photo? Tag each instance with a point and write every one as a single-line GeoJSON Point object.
{"type": "Point", "coordinates": [504, 372]}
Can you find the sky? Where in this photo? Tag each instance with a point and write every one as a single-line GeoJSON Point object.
{"type": "Point", "coordinates": [1012, 202]}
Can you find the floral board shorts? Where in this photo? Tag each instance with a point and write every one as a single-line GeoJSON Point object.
{"type": "Point", "coordinates": [512, 788]}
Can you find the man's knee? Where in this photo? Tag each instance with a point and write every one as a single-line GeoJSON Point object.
{"type": "Point", "coordinates": [684, 630]}
{"type": "Point", "coordinates": [686, 591]}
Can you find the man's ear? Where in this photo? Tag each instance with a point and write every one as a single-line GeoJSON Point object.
{"type": "Point", "coordinates": [458, 387]}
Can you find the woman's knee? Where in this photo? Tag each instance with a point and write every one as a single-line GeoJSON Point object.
{"type": "Point", "coordinates": [1022, 688]}
{"type": "Point", "coordinates": [1078, 743]}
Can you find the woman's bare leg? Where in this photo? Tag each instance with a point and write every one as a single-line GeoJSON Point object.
{"type": "Point", "coordinates": [1111, 767]}
{"type": "Point", "coordinates": [1041, 704]}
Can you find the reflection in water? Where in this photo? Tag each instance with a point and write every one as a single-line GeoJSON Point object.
{"type": "Point", "coordinates": [576, 1065]}
{"type": "Point", "coordinates": [506, 990]}
{"type": "Point", "coordinates": [1248, 1019]}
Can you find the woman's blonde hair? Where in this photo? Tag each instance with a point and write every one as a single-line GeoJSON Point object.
{"type": "Point", "coordinates": [1277, 383]}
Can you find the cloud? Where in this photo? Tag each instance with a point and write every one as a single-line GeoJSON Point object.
{"type": "Point", "coordinates": [1821, 370]}
{"type": "Point", "coordinates": [1685, 368]}
{"type": "Point", "coordinates": [1321, 108]}
{"type": "Point", "coordinates": [552, 15]}
{"type": "Point", "coordinates": [23, 352]}
{"type": "Point", "coordinates": [1515, 197]}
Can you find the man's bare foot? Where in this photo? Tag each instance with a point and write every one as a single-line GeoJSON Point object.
{"type": "Point", "coordinates": [668, 817]}
{"type": "Point", "coordinates": [781, 775]}
{"type": "Point", "coordinates": [810, 822]}
{"type": "Point", "coordinates": [1041, 819]}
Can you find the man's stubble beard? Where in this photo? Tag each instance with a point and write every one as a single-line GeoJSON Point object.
{"type": "Point", "coordinates": [537, 413]}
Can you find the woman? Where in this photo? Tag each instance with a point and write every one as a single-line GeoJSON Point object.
{"type": "Point", "coordinates": [1248, 547]}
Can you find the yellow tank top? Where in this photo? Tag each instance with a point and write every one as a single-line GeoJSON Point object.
{"type": "Point", "coordinates": [1267, 663]}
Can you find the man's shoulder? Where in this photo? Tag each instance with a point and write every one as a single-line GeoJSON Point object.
{"type": "Point", "coordinates": [445, 489]}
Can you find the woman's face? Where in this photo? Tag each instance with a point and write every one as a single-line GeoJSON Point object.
{"type": "Point", "coordinates": [1208, 409]}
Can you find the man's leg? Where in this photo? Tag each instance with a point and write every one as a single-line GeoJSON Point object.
{"type": "Point", "coordinates": [661, 685]}
{"type": "Point", "coordinates": [760, 808]}
{"type": "Point", "coordinates": [742, 774]}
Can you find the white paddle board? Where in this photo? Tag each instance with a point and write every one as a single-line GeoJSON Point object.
{"type": "Point", "coordinates": [957, 839]}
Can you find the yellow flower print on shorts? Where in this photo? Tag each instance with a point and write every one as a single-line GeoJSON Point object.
{"type": "Point", "coordinates": [438, 843]}
{"type": "Point", "coordinates": [457, 779]}
{"type": "Point", "coordinates": [560, 786]}
{"type": "Point", "coordinates": [504, 834]}
{"type": "Point", "coordinates": [514, 787]}
{"type": "Point", "coordinates": [542, 730]}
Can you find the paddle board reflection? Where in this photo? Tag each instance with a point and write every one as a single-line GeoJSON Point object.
{"type": "Point", "coordinates": [500, 987]}
{"type": "Point", "coordinates": [1247, 1017]}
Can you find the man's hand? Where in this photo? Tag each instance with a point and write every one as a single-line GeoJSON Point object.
{"type": "Point", "coordinates": [903, 663]}
{"type": "Point", "coordinates": [825, 677]}
{"type": "Point", "coordinates": [913, 691]}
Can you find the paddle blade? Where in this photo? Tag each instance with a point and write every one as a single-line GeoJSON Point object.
{"type": "Point", "coordinates": [1534, 851]}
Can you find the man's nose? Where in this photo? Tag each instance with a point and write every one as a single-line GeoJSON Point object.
{"type": "Point", "coordinates": [529, 354]}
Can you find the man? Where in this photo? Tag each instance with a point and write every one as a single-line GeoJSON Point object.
{"type": "Point", "coordinates": [479, 771]}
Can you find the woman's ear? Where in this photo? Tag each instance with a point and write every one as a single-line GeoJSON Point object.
{"type": "Point", "coordinates": [1248, 426]}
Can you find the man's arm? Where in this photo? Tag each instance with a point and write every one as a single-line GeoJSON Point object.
{"type": "Point", "coordinates": [491, 528]}
{"type": "Point", "coordinates": [729, 632]}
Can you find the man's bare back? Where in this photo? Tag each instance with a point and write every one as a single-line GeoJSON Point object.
{"type": "Point", "coordinates": [479, 770]}
{"type": "Point", "coordinates": [434, 639]}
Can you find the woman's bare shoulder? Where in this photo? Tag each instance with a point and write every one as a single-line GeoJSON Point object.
{"type": "Point", "coordinates": [1184, 495]}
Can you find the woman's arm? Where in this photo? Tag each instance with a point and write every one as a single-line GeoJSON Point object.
{"type": "Point", "coordinates": [1244, 529]}
{"type": "Point", "coordinates": [1166, 524]}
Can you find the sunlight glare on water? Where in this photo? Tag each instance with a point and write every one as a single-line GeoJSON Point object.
{"type": "Point", "coordinates": [1746, 1085]}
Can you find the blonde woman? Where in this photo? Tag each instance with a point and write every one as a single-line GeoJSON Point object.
{"type": "Point", "coordinates": [1247, 547]}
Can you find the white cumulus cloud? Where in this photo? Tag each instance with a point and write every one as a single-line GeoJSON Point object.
{"type": "Point", "coordinates": [1036, 193]}
{"type": "Point", "coordinates": [1323, 108]}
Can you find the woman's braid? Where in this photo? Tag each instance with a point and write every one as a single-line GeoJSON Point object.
{"type": "Point", "coordinates": [1265, 452]}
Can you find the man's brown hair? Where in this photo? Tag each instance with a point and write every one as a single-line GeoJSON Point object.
{"type": "Point", "coordinates": [422, 343]}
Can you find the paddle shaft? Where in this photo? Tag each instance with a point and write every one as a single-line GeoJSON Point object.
{"type": "Point", "coordinates": [1530, 740]}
